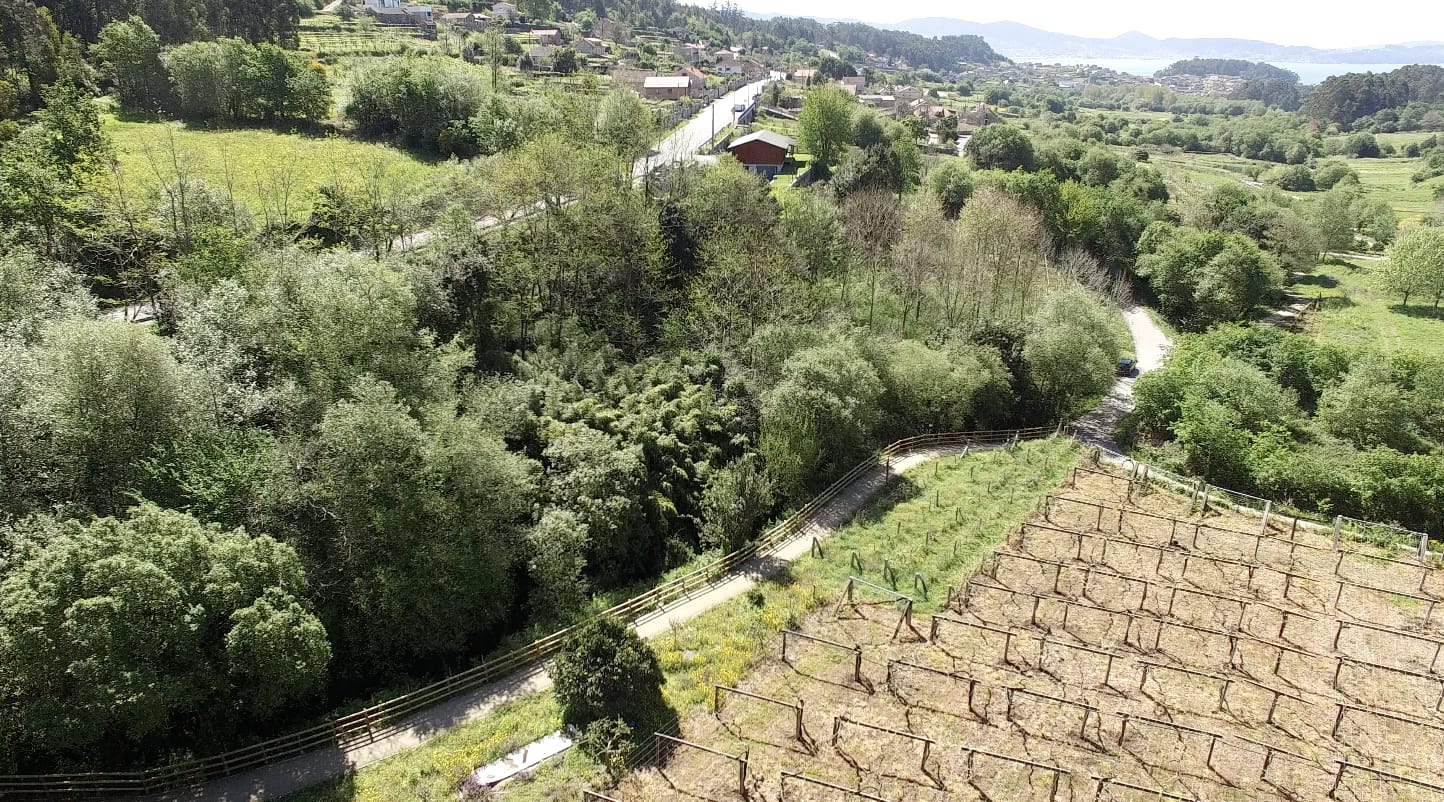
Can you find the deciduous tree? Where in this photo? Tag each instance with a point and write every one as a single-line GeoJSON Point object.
{"type": "Point", "coordinates": [827, 125]}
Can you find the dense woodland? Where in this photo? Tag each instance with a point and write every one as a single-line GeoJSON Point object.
{"type": "Point", "coordinates": [336, 466]}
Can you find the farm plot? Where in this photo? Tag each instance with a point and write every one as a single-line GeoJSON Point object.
{"type": "Point", "coordinates": [1118, 646]}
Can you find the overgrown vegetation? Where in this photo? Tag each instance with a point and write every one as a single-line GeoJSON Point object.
{"type": "Point", "coordinates": [1256, 409]}
{"type": "Point", "coordinates": [995, 490]}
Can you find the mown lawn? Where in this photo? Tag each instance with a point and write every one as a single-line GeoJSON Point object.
{"type": "Point", "coordinates": [939, 522]}
{"type": "Point", "coordinates": [1356, 312]}
{"type": "Point", "coordinates": [257, 162]}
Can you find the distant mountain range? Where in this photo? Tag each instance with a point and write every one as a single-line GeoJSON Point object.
{"type": "Point", "coordinates": [1018, 41]}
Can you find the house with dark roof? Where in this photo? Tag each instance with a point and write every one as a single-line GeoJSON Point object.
{"type": "Point", "coordinates": [762, 152]}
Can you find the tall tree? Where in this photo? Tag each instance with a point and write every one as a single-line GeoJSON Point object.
{"type": "Point", "coordinates": [130, 52]}
{"type": "Point", "coordinates": [1415, 265]}
{"type": "Point", "coordinates": [625, 124]}
{"type": "Point", "coordinates": [118, 630]}
{"type": "Point", "coordinates": [827, 125]}
{"type": "Point", "coordinates": [1001, 147]}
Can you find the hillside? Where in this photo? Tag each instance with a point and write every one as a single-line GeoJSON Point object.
{"type": "Point", "coordinates": [1016, 40]}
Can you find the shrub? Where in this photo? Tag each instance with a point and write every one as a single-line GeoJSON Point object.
{"type": "Point", "coordinates": [607, 671]}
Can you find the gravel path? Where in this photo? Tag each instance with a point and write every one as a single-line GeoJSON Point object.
{"type": "Point", "coordinates": [278, 779]}
{"type": "Point", "coordinates": [288, 776]}
{"type": "Point", "coordinates": [1150, 347]}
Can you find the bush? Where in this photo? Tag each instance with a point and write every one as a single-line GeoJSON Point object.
{"type": "Point", "coordinates": [1362, 145]}
{"type": "Point", "coordinates": [606, 671]}
{"type": "Point", "coordinates": [1294, 178]}
{"type": "Point", "coordinates": [1332, 173]}
{"type": "Point", "coordinates": [415, 100]}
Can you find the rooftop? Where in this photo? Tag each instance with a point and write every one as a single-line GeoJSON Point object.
{"type": "Point", "coordinates": [667, 82]}
{"type": "Point", "coordinates": [770, 137]}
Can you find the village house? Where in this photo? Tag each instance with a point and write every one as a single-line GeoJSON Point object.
{"type": "Point", "coordinates": [466, 21]}
{"type": "Point", "coordinates": [546, 36]}
{"type": "Point", "coordinates": [805, 75]}
{"type": "Point", "coordinates": [854, 84]}
{"type": "Point", "coordinates": [666, 87]}
{"type": "Point", "coordinates": [982, 115]}
{"type": "Point", "coordinates": [632, 78]}
{"type": "Point", "coordinates": [690, 52]}
{"type": "Point", "coordinates": [540, 57]}
{"type": "Point", "coordinates": [762, 152]}
{"type": "Point", "coordinates": [728, 66]}
{"type": "Point", "coordinates": [887, 104]}
{"type": "Point", "coordinates": [393, 12]}
{"type": "Point", "coordinates": [591, 46]}
{"type": "Point", "coordinates": [504, 11]}
{"type": "Point", "coordinates": [907, 94]}
{"type": "Point", "coordinates": [697, 80]}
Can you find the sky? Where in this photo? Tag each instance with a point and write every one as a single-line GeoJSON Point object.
{"type": "Point", "coordinates": [1285, 22]}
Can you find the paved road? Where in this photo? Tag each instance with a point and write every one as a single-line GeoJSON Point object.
{"type": "Point", "coordinates": [680, 146]}
{"type": "Point", "coordinates": [1150, 347]}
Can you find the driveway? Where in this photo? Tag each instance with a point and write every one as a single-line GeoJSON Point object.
{"type": "Point", "coordinates": [1150, 348]}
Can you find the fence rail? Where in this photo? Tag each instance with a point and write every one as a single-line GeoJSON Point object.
{"type": "Point", "coordinates": [364, 726]}
{"type": "Point", "coordinates": [1341, 526]}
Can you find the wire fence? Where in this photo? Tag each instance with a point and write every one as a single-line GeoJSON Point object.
{"type": "Point", "coordinates": [1341, 527]}
{"type": "Point", "coordinates": [365, 726]}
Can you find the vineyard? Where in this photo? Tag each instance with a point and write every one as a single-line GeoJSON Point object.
{"type": "Point", "coordinates": [352, 41]}
{"type": "Point", "coordinates": [1122, 645]}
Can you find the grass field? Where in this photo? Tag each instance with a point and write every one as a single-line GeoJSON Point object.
{"type": "Point", "coordinates": [1355, 312]}
{"type": "Point", "coordinates": [983, 497]}
{"type": "Point", "coordinates": [261, 161]}
{"type": "Point", "coordinates": [1387, 179]}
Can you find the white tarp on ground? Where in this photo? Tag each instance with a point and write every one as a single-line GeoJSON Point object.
{"type": "Point", "coordinates": [522, 759]}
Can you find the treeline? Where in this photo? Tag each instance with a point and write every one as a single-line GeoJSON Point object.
{"type": "Point", "coordinates": [1344, 99]}
{"type": "Point", "coordinates": [181, 21]}
{"type": "Point", "coordinates": [1240, 68]}
{"type": "Point", "coordinates": [41, 44]}
{"type": "Point", "coordinates": [229, 79]}
{"type": "Point", "coordinates": [1267, 136]}
{"type": "Point", "coordinates": [1335, 430]}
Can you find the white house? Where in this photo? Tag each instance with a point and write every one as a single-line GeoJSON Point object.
{"type": "Point", "coordinates": [505, 11]}
{"type": "Point", "coordinates": [690, 52]}
{"type": "Point", "coordinates": [590, 46]}
{"type": "Point", "coordinates": [729, 66]}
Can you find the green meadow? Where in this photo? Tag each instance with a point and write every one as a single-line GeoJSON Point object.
{"type": "Point", "coordinates": [256, 163]}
